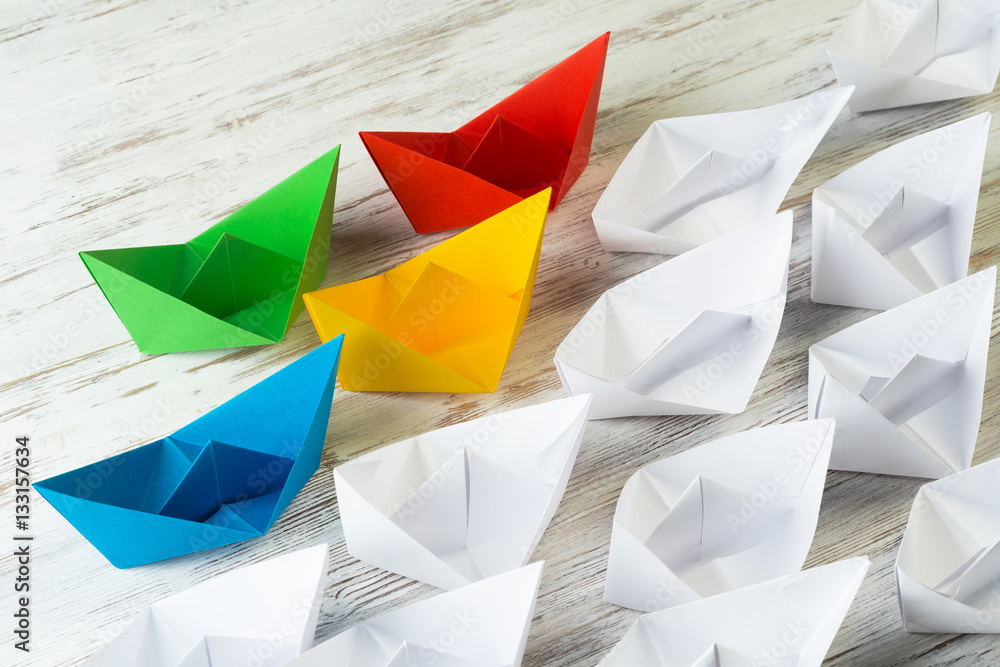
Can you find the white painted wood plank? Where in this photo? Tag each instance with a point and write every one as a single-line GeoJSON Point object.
{"type": "Point", "coordinates": [130, 123]}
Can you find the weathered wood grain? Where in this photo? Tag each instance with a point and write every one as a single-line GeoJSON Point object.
{"type": "Point", "coordinates": [129, 123]}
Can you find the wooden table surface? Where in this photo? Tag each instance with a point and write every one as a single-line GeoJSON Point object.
{"type": "Point", "coordinates": [140, 123]}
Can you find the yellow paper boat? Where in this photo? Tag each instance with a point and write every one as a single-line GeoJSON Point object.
{"type": "Point", "coordinates": [447, 319]}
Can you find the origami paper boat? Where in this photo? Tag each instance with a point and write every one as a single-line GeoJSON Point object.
{"type": "Point", "coordinates": [262, 614]}
{"type": "Point", "coordinates": [688, 181]}
{"type": "Point", "coordinates": [223, 478]}
{"type": "Point", "coordinates": [902, 53]}
{"type": "Point", "coordinates": [728, 514]}
{"type": "Point", "coordinates": [479, 625]}
{"type": "Point", "coordinates": [690, 336]}
{"type": "Point", "coordinates": [789, 622]}
{"type": "Point", "coordinates": [464, 502]}
{"type": "Point", "coordinates": [447, 319]}
{"type": "Point", "coordinates": [238, 283]}
{"type": "Point", "coordinates": [537, 138]}
{"type": "Point", "coordinates": [899, 224]}
{"type": "Point", "coordinates": [906, 386]}
{"type": "Point", "coordinates": [948, 566]}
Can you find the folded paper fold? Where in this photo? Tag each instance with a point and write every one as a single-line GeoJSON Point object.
{"type": "Point", "coordinates": [725, 515]}
{"type": "Point", "coordinates": [539, 137]}
{"type": "Point", "coordinates": [444, 321]}
{"type": "Point", "coordinates": [690, 336]}
{"type": "Point", "coordinates": [263, 614]}
{"type": "Point", "coordinates": [902, 53]}
{"type": "Point", "coordinates": [483, 624]}
{"type": "Point", "coordinates": [789, 621]}
{"type": "Point", "coordinates": [464, 502]}
{"type": "Point", "coordinates": [899, 224]}
{"type": "Point", "coordinates": [223, 478]}
{"type": "Point", "coordinates": [238, 283]}
{"type": "Point", "coordinates": [906, 386]}
{"type": "Point", "coordinates": [948, 566]}
{"type": "Point", "coordinates": [688, 181]}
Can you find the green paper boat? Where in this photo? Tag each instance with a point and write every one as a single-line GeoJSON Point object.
{"type": "Point", "coordinates": [239, 283]}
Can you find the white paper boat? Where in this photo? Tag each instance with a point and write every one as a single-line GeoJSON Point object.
{"type": "Point", "coordinates": [728, 514]}
{"type": "Point", "coordinates": [262, 614]}
{"type": "Point", "coordinates": [690, 336]}
{"type": "Point", "coordinates": [948, 567]}
{"type": "Point", "coordinates": [899, 224]}
{"type": "Point", "coordinates": [906, 386]}
{"type": "Point", "coordinates": [464, 502]}
{"type": "Point", "coordinates": [484, 624]}
{"type": "Point", "coordinates": [786, 622]}
{"type": "Point", "coordinates": [902, 52]}
{"type": "Point", "coordinates": [688, 181]}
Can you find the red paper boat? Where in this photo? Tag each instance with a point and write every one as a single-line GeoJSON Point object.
{"type": "Point", "coordinates": [539, 137]}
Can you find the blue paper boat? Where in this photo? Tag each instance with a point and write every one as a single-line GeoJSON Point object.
{"type": "Point", "coordinates": [223, 478]}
